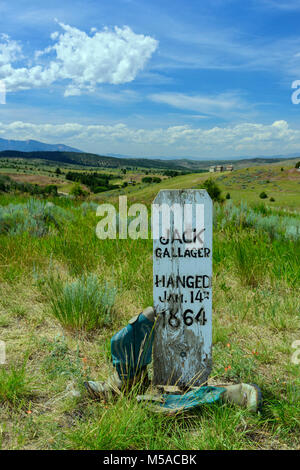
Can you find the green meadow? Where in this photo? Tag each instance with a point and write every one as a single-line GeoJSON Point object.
{"type": "Point", "coordinates": [64, 293]}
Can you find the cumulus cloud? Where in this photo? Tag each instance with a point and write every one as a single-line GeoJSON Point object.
{"type": "Point", "coordinates": [246, 138]}
{"type": "Point", "coordinates": [9, 50]}
{"type": "Point", "coordinates": [84, 61]}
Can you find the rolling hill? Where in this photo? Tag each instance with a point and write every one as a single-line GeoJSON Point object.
{"type": "Point", "coordinates": [100, 161]}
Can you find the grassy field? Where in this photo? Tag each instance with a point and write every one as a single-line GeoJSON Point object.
{"type": "Point", "coordinates": [280, 182]}
{"type": "Point", "coordinates": [49, 252]}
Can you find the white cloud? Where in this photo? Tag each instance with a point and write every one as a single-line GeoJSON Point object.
{"type": "Point", "coordinates": [227, 103]}
{"type": "Point", "coordinates": [9, 50]}
{"type": "Point", "coordinates": [108, 56]}
{"type": "Point", "coordinates": [247, 138]}
{"type": "Point", "coordinates": [288, 5]}
{"type": "Point", "coordinates": [213, 46]}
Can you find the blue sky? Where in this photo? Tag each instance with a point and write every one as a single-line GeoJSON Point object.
{"type": "Point", "coordinates": [152, 78]}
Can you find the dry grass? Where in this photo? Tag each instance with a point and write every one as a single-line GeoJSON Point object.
{"type": "Point", "coordinates": [254, 351]}
{"type": "Point", "coordinates": [253, 331]}
{"type": "Point", "coordinates": [42, 180]}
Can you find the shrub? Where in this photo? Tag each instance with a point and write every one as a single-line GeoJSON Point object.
{"type": "Point", "coordinates": [156, 179]}
{"type": "Point", "coordinates": [228, 196]}
{"type": "Point", "coordinates": [272, 199]}
{"type": "Point", "coordinates": [50, 190]}
{"type": "Point", "coordinates": [84, 304]}
{"type": "Point", "coordinates": [263, 195]}
{"type": "Point", "coordinates": [147, 179]}
{"type": "Point", "coordinates": [88, 206]}
{"type": "Point", "coordinates": [4, 183]}
{"type": "Point", "coordinates": [34, 217]}
{"type": "Point", "coordinates": [260, 217]}
{"type": "Point", "coordinates": [77, 191]}
{"type": "Point", "coordinates": [213, 189]}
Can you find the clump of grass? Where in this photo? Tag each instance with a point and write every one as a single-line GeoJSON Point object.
{"type": "Point", "coordinates": [284, 411]}
{"type": "Point", "coordinates": [14, 384]}
{"type": "Point", "coordinates": [248, 263]}
{"type": "Point", "coordinates": [84, 304]}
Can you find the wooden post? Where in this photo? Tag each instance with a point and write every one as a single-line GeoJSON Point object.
{"type": "Point", "coordinates": [182, 292]}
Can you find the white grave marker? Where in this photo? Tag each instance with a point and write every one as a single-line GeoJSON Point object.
{"type": "Point", "coordinates": [2, 353]}
{"type": "Point", "coordinates": [182, 292]}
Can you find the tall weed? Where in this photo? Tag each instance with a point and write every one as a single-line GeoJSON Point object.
{"type": "Point", "coordinates": [14, 384]}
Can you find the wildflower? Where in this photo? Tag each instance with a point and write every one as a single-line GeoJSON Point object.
{"type": "Point", "coordinates": [84, 359]}
{"type": "Point", "coordinates": [228, 345]}
{"type": "Point", "coordinates": [29, 412]}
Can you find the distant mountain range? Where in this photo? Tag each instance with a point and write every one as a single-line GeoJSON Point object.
{"type": "Point", "coordinates": [34, 146]}
{"type": "Point", "coordinates": [34, 150]}
{"type": "Point", "coordinates": [203, 159]}
{"type": "Point", "coordinates": [37, 146]}
{"type": "Point", "coordinates": [98, 161]}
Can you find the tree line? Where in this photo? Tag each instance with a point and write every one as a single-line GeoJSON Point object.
{"type": "Point", "coordinates": [8, 185]}
{"type": "Point", "coordinates": [96, 182]}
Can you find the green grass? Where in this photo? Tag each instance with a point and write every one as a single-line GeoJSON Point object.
{"type": "Point", "coordinates": [256, 318]}
{"type": "Point", "coordinates": [14, 385]}
{"type": "Point", "coordinates": [248, 183]}
{"type": "Point", "coordinates": [243, 185]}
{"type": "Point", "coordinates": [127, 425]}
{"type": "Point", "coordinates": [84, 304]}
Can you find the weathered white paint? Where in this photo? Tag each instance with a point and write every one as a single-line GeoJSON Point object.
{"type": "Point", "coordinates": [182, 344]}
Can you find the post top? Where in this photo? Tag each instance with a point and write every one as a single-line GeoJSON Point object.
{"type": "Point", "coordinates": [186, 195]}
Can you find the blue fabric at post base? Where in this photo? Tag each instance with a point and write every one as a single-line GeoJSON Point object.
{"type": "Point", "coordinates": [200, 396]}
{"type": "Point", "coordinates": [131, 348]}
